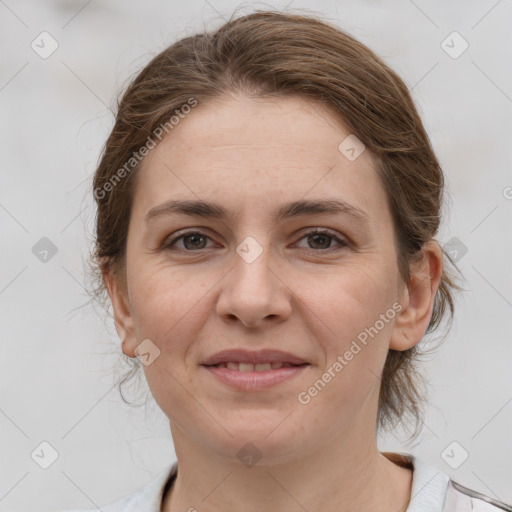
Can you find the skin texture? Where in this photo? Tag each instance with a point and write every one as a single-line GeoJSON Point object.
{"type": "Point", "coordinates": [307, 296]}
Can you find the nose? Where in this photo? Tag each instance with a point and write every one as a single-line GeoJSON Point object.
{"type": "Point", "coordinates": [254, 293]}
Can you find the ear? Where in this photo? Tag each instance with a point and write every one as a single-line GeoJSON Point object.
{"type": "Point", "coordinates": [417, 298]}
{"type": "Point", "coordinates": [122, 313]}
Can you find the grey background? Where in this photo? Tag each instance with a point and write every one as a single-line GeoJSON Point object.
{"type": "Point", "coordinates": [56, 371]}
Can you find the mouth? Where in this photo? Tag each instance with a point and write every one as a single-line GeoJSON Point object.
{"type": "Point", "coordinates": [246, 370]}
{"type": "Point", "coordinates": [258, 367]}
{"type": "Point", "coordinates": [254, 377]}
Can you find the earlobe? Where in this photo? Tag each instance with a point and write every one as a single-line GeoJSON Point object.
{"type": "Point", "coordinates": [122, 315]}
{"type": "Point", "coordinates": [418, 299]}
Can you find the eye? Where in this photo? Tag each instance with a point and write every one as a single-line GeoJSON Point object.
{"type": "Point", "coordinates": [191, 240]}
{"type": "Point", "coordinates": [323, 238]}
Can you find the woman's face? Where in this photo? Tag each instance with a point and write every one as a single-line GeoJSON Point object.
{"type": "Point", "coordinates": [255, 281]}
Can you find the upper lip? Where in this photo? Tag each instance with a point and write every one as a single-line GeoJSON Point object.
{"type": "Point", "coordinates": [254, 357]}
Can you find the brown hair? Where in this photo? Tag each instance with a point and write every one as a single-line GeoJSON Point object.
{"type": "Point", "coordinates": [271, 54]}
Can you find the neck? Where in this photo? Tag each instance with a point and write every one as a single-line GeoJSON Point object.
{"type": "Point", "coordinates": [344, 476]}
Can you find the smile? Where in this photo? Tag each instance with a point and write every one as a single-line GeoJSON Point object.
{"type": "Point", "coordinates": [249, 367]}
{"type": "Point", "coordinates": [254, 377]}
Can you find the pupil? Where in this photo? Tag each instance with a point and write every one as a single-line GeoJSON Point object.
{"type": "Point", "coordinates": [325, 237]}
{"type": "Point", "coordinates": [193, 237]}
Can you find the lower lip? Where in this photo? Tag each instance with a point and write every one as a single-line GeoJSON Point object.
{"type": "Point", "coordinates": [252, 381]}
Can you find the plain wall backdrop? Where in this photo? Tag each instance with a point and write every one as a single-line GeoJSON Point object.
{"type": "Point", "coordinates": [56, 380]}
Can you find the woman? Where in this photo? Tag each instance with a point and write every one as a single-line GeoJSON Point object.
{"type": "Point", "coordinates": [268, 202]}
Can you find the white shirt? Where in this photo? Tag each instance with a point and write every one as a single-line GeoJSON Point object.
{"type": "Point", "coordinates": [432, 491]}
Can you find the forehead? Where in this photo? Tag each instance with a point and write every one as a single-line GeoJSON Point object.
{"type": "Point", "coordinates": [251, 152]}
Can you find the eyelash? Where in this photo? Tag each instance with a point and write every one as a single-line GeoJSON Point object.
{"type": "Point", "coordinates": [170, 246]}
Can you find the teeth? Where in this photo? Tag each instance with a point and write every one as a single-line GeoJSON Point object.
{"type": "Point", "coordinates": [246, 367]}
{"type": "Point", "coordinates": [249, 367]}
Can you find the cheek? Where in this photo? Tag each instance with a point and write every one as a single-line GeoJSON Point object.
{"type": "Point", "coordinates": [162, 292]}
{"type": "Point", "coordinates": [349, 300]}
{"type": "Point", "coordinates": [168, 311]}
{"type": "Point", "coordinates": [352, 317]}
{"type": "Point", "coordinates": [171, 307]}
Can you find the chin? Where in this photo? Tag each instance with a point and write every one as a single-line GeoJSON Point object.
{"type": "Point", "coordinates": [268, 441]}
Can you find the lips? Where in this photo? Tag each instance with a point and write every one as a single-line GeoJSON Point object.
{"type": "Point", "coordinates": [250, 361]}
{"type": "Point", "coordinates": [249, 367]}
{"type": "Point", "coordinates": [247, 371]}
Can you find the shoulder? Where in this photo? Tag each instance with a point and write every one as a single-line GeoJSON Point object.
{"type": "Point", "coordinates": [145, 499]}
{"type": "Point", "coordinates": [462, 498]}
{"type": "Point", "coordinates": [434, 491]}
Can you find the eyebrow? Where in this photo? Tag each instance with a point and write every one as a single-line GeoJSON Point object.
{"type": "Point", "coordinates": [204, 209]}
